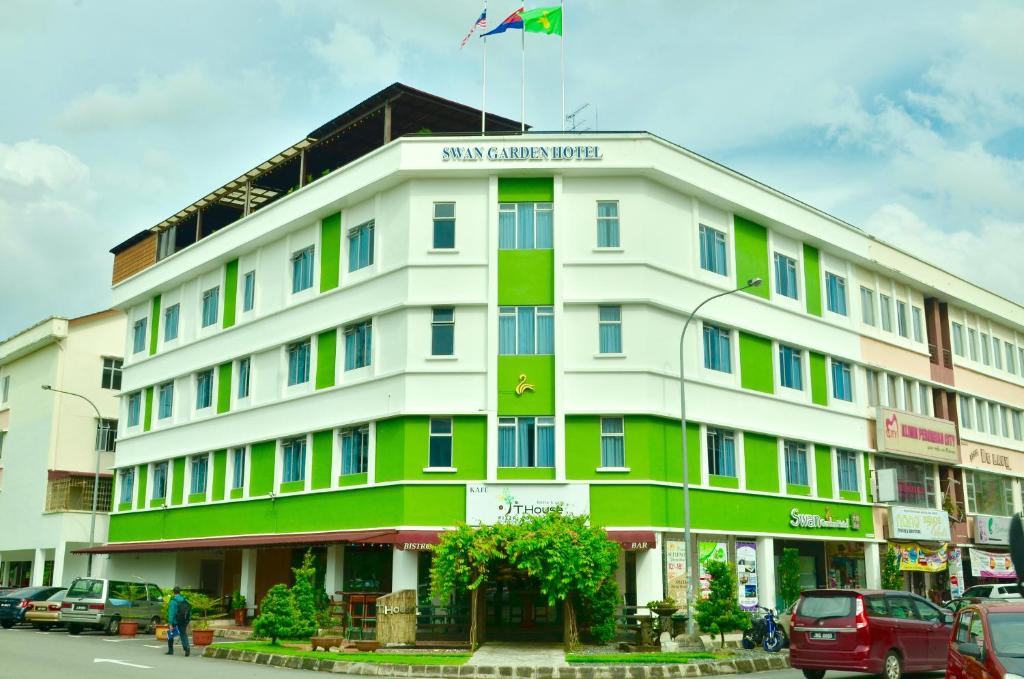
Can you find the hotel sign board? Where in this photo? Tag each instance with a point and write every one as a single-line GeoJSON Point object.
{"type": "Point", "coordinates": [490, 503]}
{"type": "Point", "coordinates": [520, 152]}
{"type": "Point", "coordinates": [916, 523]}
{"type": "Point", "coordinates": [904, 433]}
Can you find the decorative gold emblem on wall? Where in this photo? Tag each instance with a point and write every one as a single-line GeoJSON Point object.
{"type": "Point", "coordinates": [523, 385]}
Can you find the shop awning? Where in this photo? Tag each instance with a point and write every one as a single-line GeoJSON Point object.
{"type": "Point", "coordinates": [634, 540]}
{"type": "Point", "coordinates": [242, 541]}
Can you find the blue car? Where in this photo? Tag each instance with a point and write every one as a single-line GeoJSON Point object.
{"type": "Point", "coordinates": [15, 603]}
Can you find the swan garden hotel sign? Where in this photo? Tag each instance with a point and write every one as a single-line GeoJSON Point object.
{"type": "Point", "coordinates": [518, 152]}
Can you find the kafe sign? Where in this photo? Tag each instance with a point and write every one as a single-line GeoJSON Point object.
{"type": "Point", "coordinates": [991, 530]}
{"type": "Point", "coordinates": [909, 434]}
{"type": "Point", "coordinates": [475, 154]}
{"type": "Point", "coordinates": [797, 519]}
{"type": "Point", "coordinates": [489, 503]}
{"type": "Point", "coordinates": [915, 523]}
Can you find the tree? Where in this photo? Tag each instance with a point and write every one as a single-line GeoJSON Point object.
{"type": "Point", "coordinates": [721, 612]}
{"type": "Point", "coordinates": [277, 615]}
{"type": "Point", "coordinates": [304, 598]}
{"type": "Point", "coordinates": [892, 577]}
{"type": "Point", "coordinates": [789, 576]}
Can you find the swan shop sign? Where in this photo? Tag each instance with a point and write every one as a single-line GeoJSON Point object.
{"type": "Point", "coordinates": [898, 431]}
{"type": "Point", "coordinates": [490, 503]}
{"type": "Point", "coordinates": [511, 153]}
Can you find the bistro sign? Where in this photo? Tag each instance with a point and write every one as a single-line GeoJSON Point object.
{"type": "Point", "coordinates": [509, 153]}
{"type": "Point", "coordinates": [909, 434]}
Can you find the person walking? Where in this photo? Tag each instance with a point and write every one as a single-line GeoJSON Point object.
{"type": "Point", "coordinates": [179, 614]}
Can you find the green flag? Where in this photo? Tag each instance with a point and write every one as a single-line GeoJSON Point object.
{"type": "Point", "coordinates": [543, 20]}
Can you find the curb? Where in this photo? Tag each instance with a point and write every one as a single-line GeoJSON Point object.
{"type": "Point", "coordinates": [703, 669]}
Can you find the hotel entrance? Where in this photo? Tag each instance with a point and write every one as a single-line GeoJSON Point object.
{"type": "Point", "coordinates": [517, 611]}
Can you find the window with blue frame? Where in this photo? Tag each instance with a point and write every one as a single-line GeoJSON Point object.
{"type": "Point", "coordinates": [360, 246]}
{"type": "Point", "coordinates": [526, 442]}
{"type": "Point", "coordinates": [166, 401]}
{"type": "Point", "coordinates": [849, 476]}
{"type": "Point", "coordinates": [127, 485]}
{"type": "Point", "coordinates": [298, 362]}
{"type": "Point", "coordinates": [525, 226]}
{"type": "Point", "coordinates": [717, 352]}
{"type": "Point", "coordinates": [712, 250]}
{"type": "Point", "coordinates": [613, 442]}
{"type": "Point", "coordinates": [211, 302]}
{"type": "Point", "coordinates": [526, 330]}
{"type": "Point", "coordinates": [835, 293]}
{"type": "Point", "coordinates": [721, 452]}
{"type": "Point", "coordinates": [200, 465]}
{"type": "Point", "coordinates": [867, 306]}
{"type": "Point", "coordinates": [139, 336]}
{"type": "Point", "coordinates": [159, 481]}
{"type": "Point", "coordinates": [442, 331]}
{"type": "Point", "coordinates": [440, 445]}
{"type": "Point", "coordinates": [444, 226]}
{"type": "Point", "coordinates": [358, 345]}
{"type": "Point", "coordinates": [842, 381]}
{"type": "Point", "coordinates": [609, 329]}
{"type": "Point", "coordinates": [293, 467]}
{"type": "Point", "coordinates": [791, 374]}
{"type": "Point", "coordinates": [302, 270]}
{"type": "Point", "coordinates": [204, 389]}
{"type": "Point", "coordinates": [796, 463]}
{"type": "Point", "coordinates": [237, 468]}
{"type": "Point", "coordinates": [607, 224]}
{"type": "Point", "coordinates": [785, 276]}
{"type": "Point", "coordinates": [249, 291]}
{"type": "Point", "coordinates": [171, 314]}
{"type": "Point", "coordinates": [134, 408]}
{"type": "Point", "coordinates": [355, 450]}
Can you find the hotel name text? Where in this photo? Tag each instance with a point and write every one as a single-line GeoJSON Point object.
{"type": "Point", "coordinates": [480, 153]}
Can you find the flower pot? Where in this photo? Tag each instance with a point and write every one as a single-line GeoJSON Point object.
{"type": "Point", "coordinates": [128, 629]}
{"type": "Point", "coordinates": [239, 614]}
{"type": "Point", "coordinates": [202, 637]}
{"type": "Point", "coordinates": [161, 632]}
{"type": "Point", "coordinates": [665, 612]}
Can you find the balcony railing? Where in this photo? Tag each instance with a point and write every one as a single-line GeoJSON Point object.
{"type": "Point", "coordinates": [946, 356]}
{"type": "Point", "coordinates": [74, 494]}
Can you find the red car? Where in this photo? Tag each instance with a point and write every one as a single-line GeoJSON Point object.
{"type": "Point", "coordinates": [879, 632]}
{"type": "Point", "coordinates": [988, 642]}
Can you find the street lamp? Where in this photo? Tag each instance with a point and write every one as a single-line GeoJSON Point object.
{"type": "Point", "coordinates": [751, 283]}
{"type": "Point", "coordinates": [96, 478]}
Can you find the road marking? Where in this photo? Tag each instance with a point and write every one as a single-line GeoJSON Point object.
{"type": "Point", "coordinates": [122, 662]}
{"type": "Point", "coordinates": [152, 646]}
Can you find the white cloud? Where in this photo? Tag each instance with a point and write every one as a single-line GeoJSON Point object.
{"type": "Point", "coordinates": [356, 55]}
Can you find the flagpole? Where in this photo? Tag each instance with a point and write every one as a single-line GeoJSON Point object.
{"type": "Point", "coordinates": [522, 115]}
{"type": "Point", "coordinates": [562, 40]}
{"type": "Point", "coordinates": [483, 105]}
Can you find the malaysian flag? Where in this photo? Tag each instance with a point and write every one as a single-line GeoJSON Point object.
{"type": "Point", "coordinates": [481, 23]}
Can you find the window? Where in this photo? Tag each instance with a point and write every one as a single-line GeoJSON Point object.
{"type": "Point", "coordinates": [613, 442]}
{"type": "Point", "coordinates": [302, 270]}
{"type": "Point", "coordinates": [1011, 355]}
{"type": "Point", "coordinates": [525, 226]}
{"type": "Point", "coordinates": [358, 345]}
{"type": "Point", "coordinates": [965, 412]}
{"type": "Point", "coordinates": [106, 434]}
{"type": "Point", "coordinates": [915, 481]}
{"type": "Point", "coordinates": [134, 408]}
{"type": "Point", "coordinates": [992, 418]}
{"type": "Point", "coordinates": [3, 434]}
{"type": "Point", "coordinates": [237, 468]}
{"type": "Point", "coordinates": [360, 246]}
{"type": "Point", "coordinates": [1016, 418]}
{"type": "Point", "coordinates": [204, 389]}
{"type": "Point", "coordinates": [211, 302]}
{"type": "Point", "coordinates": [925, 396]}
{"type": "Point", "coordinates": [867, 306]}
{"type": "Point", "coordinates": [963, 626]}
{"type": "Point", "coordinates": [901, 318]}
{"type": "Point", "coordinates": [908, 395]}
{"type": "Point", "coordinates": [790, 371]}
{"type": "Point", "coordinates": [198, 474]}
{"type": "Point", "coordinates": [139, 336]}
{"type": "Point", "coordinates": [785, 276]}
{"type": "Point", "coordinates": [526, 330]}
{"type": "Point", "coordinates": [872, 376]}
{"type": "Point", "coordinates": [917, 316]}
{"type": "Point", "coordinates": [609, 329]}
{"type": "Point", "coordinates": [165, 401]}
{"type": "Point", "coordinates": [244, 376]}
{"type": "Point", "coordinates": [355, 450]}
{"type": "Point", "coordinates": [958, 339]}
{"type": "Point", "coordinates": [166, 242]}
{"type": "Point", "coordinates": [607, 224]}
{"type": "Point", "coordinates": [972, 342]}
{"type": "Point", "coordinates": [5, 388]}
{"type": "Point", "coordinates": [293, 467]}
{"type": "Point", "coordinates": [712, 250]}
{"type": "Point", "coordinates": [717, 354]}
{"type": "Point", "coordinates": [835, 293]}
{"type": "Point", "coordinates": [842, 381]}
{"type": "Point", "coordinates": [979, 411]}
{"type": "Point", "coordinates": [985, 357]}
{"type": "Point", "coordinates": [526, 442]}
{"type": "Point", "coordinates": [171, 314]}
{"type": "Point", "coordinates": [298, 362]}
{"type": "Point", "coordinates": [440, 453]}
{"type": "Point", "coordinates": [127, 485]}
{"type": "Point", "coordinates": [796, 463]}
{"type": "Point", "coordinates": [111, 377]}
{"type": "Point", "coordinates": [159, 481]}
{"type": "Point", "coordinates": [1004, 420]}
{"type": "Point", "coordinates": [890, 391]}
{"type": "Point", "coordinates": [442, 332]}
{"type": "Point", "coordinates": [846, 464]}
{"type": "Point", "coordinates": [721, 452]}
{"type": "Point", "coordinates": [997, 356]}
{"type": "Point", "coordinates": [444, 226]}
{"type": "Point", "coordinates": [885, 307]}
{"type": "Point", "coordinates": [249, 291]}
{"type": "Point", "coordinates": [989, 493]}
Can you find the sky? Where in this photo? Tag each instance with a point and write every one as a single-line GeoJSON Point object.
{"type": "Point", "coordinates": [905, 119]}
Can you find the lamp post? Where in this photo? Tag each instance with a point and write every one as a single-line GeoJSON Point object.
{"type": "Point", "coordinates": [751, 283]}
{"type": "Point", "coordinates": [96, 477]}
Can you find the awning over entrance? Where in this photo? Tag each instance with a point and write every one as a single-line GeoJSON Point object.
{"type": "Point", "coordinates": [244, 541]}
{"type": "Point", "coordinates": [634, 540]}
{"type": "Point", "coordinates": [411, 540]}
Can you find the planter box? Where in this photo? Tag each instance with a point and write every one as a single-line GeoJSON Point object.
{"type": "Point", "coordinates": [161, 632]}
{"type": "Point", "coordinates": [128, 629]}
{"type": "Point", "coordinates": [202, 637]}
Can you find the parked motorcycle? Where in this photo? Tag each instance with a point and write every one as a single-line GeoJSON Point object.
{"type": "Point", "coordinates": [765, 631]}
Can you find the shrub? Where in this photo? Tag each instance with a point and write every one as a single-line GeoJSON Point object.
{"type": "Point", "coordinates": [789, 576]}
{"type": "Point", "coordinates": [304, 599]}
{"type": "Point", "coordinates": [277, 615]}
{"type": "Point", "coordinates": [601, 612]}
{"type": "Point", "coordinates": [721, 612]}
{"type": "Point", "coordinates": [892, 577]}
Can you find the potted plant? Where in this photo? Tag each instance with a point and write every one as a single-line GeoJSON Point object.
{"type": "Point", "coordinates": [161, 630]}
{"type": "Point", "coordinates": [202, 635]}
{"type": "Point", "coordinates": [129, 593]}
{"type": "Point", "coordinates": [238, 608]}
{"type": "Point", "coordinates": [663, 608]}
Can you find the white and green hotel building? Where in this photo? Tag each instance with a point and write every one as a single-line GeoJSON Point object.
{"type": "Point", "coordinates": [454, 328]}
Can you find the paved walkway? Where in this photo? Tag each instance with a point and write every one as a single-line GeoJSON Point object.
{"type": "Point", "coordinates": [519, 654]}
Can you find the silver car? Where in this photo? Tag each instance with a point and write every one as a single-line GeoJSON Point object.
{"type": "Point", "coordinates": [101, 604]}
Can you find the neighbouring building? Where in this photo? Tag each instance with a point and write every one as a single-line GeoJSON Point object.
{"type": "Point", "coordinates": [397, 325]}
{"type": "Point", "coordinates": [50, 442]}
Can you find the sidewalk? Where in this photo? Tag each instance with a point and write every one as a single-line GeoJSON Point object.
{"type": "Point", "coordinates": [518, 654]}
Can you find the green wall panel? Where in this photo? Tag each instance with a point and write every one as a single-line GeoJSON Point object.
{"type": "Point", "coordinates": [142, 472]}
{"type": "Point", "coordinates": [220, 467]}
{"type": "Point", "coordinates": [526, 277]}
{"type": "Point", "coordinates": [724, 482]}
{"type": "Point", "coordinates": [292, 487]}
{"type": "Point", "coordinates": [526, 189]}
{"type": "Point", "coordinates": [540, 372]}
{"type": "Point", "coordinates": [403, 449]}
{"type": "Point", "coordinates": [124, 507]}
{"type": "Point", "coordinates": [330, 251]}
{"type": "Point", "coordinates": [762, 462]}
{"type": "Point", "coordinates": [812, 280]}
{"type": "Point", "coordinates": [154, 325]}
{"type": "Point", "coordinates": [323, 453]}
{"type": "Point", "coordinates": [262, 457]}
{"type": "Point", "coordinates": [756, 367]}
{"type": "Point", "coordinates": [196, 498]}
{"type": "Point", "coordinates": [178, 484]}
{"type": "Point", "coordinates": [796, 489]}
{"type": "Point", "coordinates": [653, 449]}
{"type": "Point", "coordinates": [326, 357]}
{"type": "Point", "coordinates": [819, 379]}
{"type": "Point", "coordinates": [147, 416]}
{"type": "Point", "coordinates": [354, 479]}
{"type": "Point", "coordinates": [526, 473]}
{"type": "Point", "coordinates": [823, 470]}
{"type": "Point", "coordinates": [224, 388]}
{"type": "Point", "coordinates": [752, 260]}
{"type": "Point", "coordinates": [230, 292]}
{"type": "Point", "coordinates": [849, 495]}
